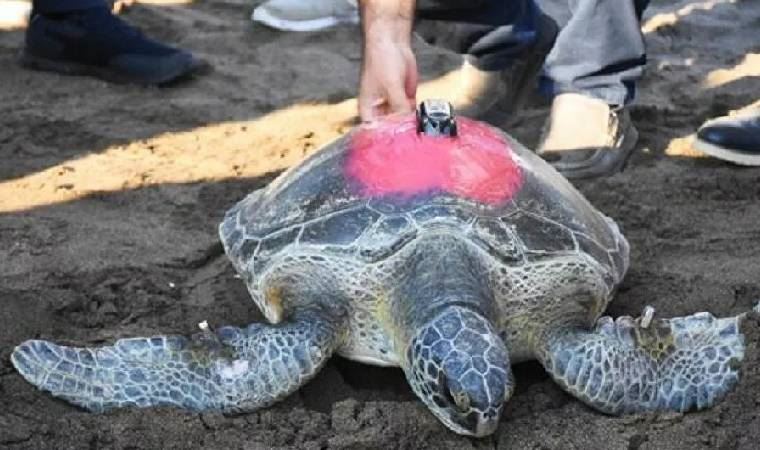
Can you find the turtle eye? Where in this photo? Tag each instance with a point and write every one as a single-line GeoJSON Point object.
{"type": "Point", "coordinates": [462, 400]}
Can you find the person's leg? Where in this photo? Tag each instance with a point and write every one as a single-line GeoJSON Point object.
{"type": "Point", "coordinates": [83, 37]}
{"type": "Point", "coordinates": [591, 72]}
{"type": "Point", "coordinates": [504, 44]}
{"type": "Point", "coordinates": [491, 33]}
{"type": "Point", "coordinates": [600, 52]}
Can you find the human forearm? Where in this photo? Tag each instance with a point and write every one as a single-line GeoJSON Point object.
{"type": "Point", "coordinates": [389, 70]}
{"type": "Point", "coordinates": [387, 19]}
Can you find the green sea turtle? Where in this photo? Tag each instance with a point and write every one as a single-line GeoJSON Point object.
{"type": "Point", "coordinates": [436, 244]}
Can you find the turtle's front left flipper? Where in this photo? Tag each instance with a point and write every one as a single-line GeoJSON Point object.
{"type": "Point", "coordinates": [646, 364]}
{"type": "Point", "coordinates": [232, 370]}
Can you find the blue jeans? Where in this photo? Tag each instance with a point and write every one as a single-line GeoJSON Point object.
{"type": "Point", "coordinates": [599, 53]}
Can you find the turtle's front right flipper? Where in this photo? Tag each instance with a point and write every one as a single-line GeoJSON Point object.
{"type": "Point", "coordinates": [628, 365]}
{"type": "Point", "coordinates": [233, 370]}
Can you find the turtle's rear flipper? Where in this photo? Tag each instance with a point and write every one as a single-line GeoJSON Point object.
{"type": "Point", "coordinates": [233, 370]}
{"type": "Point", "coordinates": [629, 365]}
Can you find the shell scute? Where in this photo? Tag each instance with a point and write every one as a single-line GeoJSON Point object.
{"type": "Point", "coordinates": [247, 248]}
{"type": "Point", "coordinates": [595, 250]}
{"type": "Point", "coordinates": [430, 213]}
{"type": "Point", "coordinates": [499, 239]}
{"type": "Point", "coordinates": [276, 242]}
{"type": "Point", "coordinates": [386, 238]}
{"type": "Point", "coordinates": [342, 228]}
{"type": "Point", "coordinates": [542, 236]}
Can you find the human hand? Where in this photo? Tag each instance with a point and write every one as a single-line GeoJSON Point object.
{"type": "Point", "coordinates": [388, 81]}
{"type": "Point", "coordinates": [389, 70]}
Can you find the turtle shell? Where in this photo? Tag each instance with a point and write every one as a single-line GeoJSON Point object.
{"type": "Point", "coordinates": [372, 191]}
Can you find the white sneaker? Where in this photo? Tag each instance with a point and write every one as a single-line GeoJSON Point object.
{"type": "Point", "coordinates": [306, 15]}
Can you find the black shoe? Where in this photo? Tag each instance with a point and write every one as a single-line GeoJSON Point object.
{"type": "Point", "coordinates": [95, 42]}
{"type": "Point", "coordinates": [735, 139]}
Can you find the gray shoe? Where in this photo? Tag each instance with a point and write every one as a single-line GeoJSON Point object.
{"type": "Point", "coordinates": [584, 137]}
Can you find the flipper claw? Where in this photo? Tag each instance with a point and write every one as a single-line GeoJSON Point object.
{"type": "Point", "coordinates": [646, 316]}
{"type": "Point", "coordinates": [606, 325]}
{"type": "Point", "coordinates": [208, 336]}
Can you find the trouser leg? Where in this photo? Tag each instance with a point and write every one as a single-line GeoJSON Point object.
{"type": "Point", "coordinates": [600, 52]}
{"type": "Point", "coordinates": [490, 33]}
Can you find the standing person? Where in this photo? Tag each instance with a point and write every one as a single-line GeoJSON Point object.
{"type": "Point", "coordinates": [83, 37]}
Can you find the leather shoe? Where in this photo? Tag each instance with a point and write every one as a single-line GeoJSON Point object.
{"type": "Point", "coordinates": [735, 139]}
{"type": "Point", "coordinates": [585, 137]}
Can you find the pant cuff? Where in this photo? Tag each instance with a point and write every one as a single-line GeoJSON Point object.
{"type": "Point", "coordinates": [612, 95]}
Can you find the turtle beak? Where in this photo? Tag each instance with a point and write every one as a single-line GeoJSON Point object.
{"type": "Point", "coordinates": [488, 424]}
{"type": "Point", "coordinates": [475, 424]}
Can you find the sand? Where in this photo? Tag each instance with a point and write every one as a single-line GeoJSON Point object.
{"type": "Point", "coordinates": [110, 197]}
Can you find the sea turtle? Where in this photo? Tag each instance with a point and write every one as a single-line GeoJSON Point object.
{"type": "Point", "coordinates": [433, 243]}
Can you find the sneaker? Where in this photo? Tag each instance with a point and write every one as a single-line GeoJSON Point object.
{"type": "Point", "coordinates": [306, 15]}
{"type": "Point", "coordinates": [502, 93]}
{"type": "Point", "coordinates": [94, 42]}
{"type": "Point", "coordinates": [584, 137]}
{"type": "Point", "coordinates": [735, 139]}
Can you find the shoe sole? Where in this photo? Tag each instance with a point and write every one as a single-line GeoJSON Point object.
{"type": "Point", "coordinates": [104, 73]}
{"type": "Point", "coordinates": [725, 154]}
{"type": "Point", "coordinates": [606, 162]}
{"type": "Point", "coordinates": [263, 16]}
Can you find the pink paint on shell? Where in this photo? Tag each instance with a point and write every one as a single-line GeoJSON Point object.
{"type": "Point", "coordinates": [390, 157]}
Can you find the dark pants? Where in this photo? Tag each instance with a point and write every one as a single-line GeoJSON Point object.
{"type": "Point", "coordinates": [60, 6]}
{"type": "Point", "coordinates": [600, 51]}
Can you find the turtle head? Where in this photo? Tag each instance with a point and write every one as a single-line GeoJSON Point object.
{"type": "Point", "coordinates": [459, 367]}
